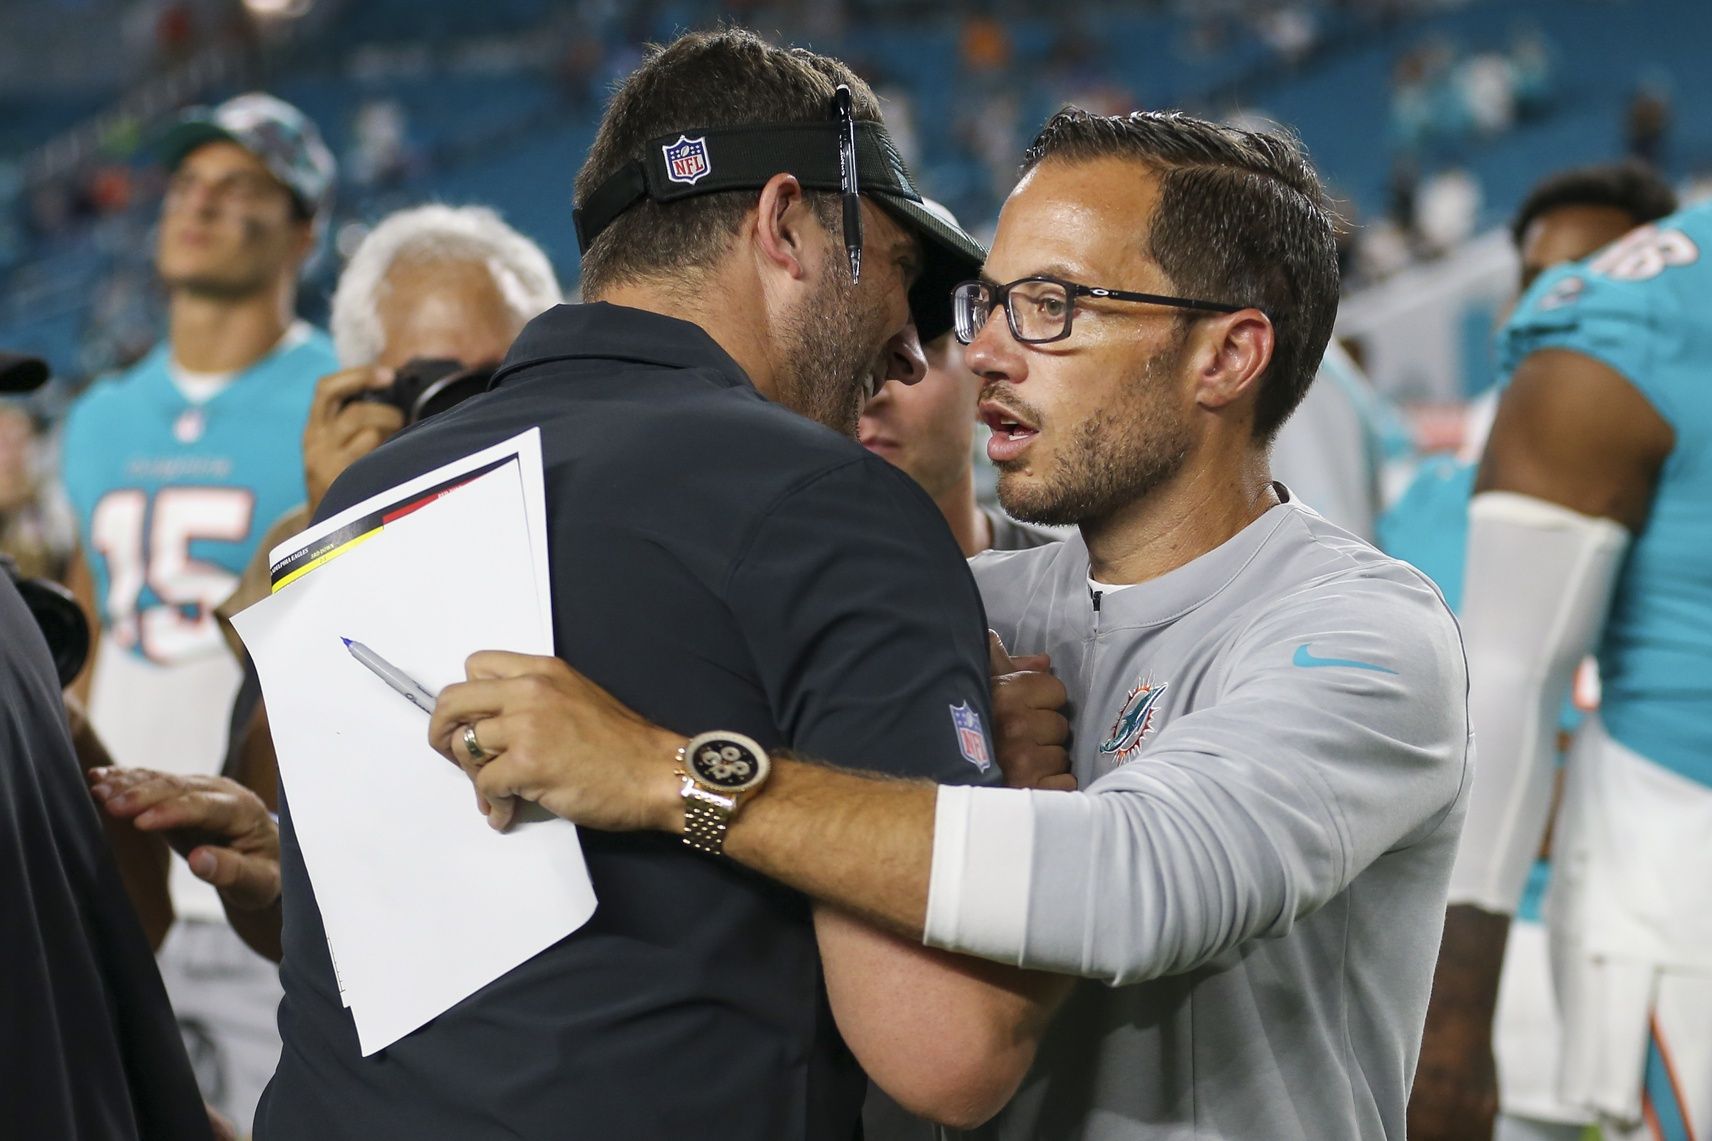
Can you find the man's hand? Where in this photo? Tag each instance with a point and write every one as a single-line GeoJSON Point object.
{"type": "Point", "coordinates": [341, 429]}
{"type": "Point", "coordinates": [549, 735]}
{"type": "Point", "coordinates": [1455, 1097]}
{"type": "Point", "coordinates": [1028, 729]}
{"type": "Point", "coordinates": [221, 828]}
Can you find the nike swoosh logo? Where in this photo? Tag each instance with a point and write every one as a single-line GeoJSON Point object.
{"type": "Point", "coordinates": [1307, 661]}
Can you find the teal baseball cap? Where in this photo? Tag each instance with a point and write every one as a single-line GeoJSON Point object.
{"type": "Point", "coordinates": [284, 138]}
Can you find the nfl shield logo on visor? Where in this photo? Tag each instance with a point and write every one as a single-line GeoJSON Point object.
{"type": "Point", "coordinates": [971, 738]}
{"type": "Point", "coordinates": [686, 160]}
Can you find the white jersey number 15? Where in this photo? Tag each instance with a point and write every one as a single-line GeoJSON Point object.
{"type": "Point", "coordinates": [179, 621]}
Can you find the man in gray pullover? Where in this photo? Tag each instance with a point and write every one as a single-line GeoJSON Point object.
{"type": "Point", "coordinates": [1267, 718]}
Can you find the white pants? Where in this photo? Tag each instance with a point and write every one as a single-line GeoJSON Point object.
{"type": "Point", "coordinates": [1676, 1076]}
{"type": "Point", "coordinates": [226, 998]}
{"type": "Point", "coordinates": [1527, 1039]}
{"type": "Point", "coordinates": [1631, 942]}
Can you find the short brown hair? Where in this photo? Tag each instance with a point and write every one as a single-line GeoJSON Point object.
{"type": "Point", "coordinates": [1242, 218]}
{"type": "Point", "coordinates": [723, 78]}
{"type": "Point", "coordinates": [1632, 187]}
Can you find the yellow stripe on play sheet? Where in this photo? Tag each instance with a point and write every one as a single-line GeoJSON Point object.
{"type": "Point", "coordinates": [321, 560]}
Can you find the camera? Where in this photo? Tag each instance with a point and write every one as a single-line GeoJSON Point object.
{"type": "Point", "coordinates": [59, 618]}
{"type": "Point", "coordinates": [424, 387]}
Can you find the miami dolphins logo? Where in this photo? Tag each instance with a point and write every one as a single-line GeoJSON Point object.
{"type": "Point", "coordinates": [1134, 722]}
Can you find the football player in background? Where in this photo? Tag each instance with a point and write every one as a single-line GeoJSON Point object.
{"type": "Point", "coordinates": [928, 430]}
{"type": "Point", "coordinates": [174, 469]}
{"type": "Point", "coordinates": [1587, 534]}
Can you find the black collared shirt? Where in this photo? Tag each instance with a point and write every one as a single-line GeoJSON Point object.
{"type": "Point", "coordinates": [718, 562]}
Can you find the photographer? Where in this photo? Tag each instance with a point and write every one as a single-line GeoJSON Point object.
{"type": "Point", "coordinates": [429, 288]}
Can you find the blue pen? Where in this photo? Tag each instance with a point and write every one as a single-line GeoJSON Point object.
{"type": "Point", "coordinates": [408, 687]}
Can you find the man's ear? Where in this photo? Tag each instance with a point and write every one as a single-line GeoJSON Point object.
{"type": "Point", "coordinates": [783, 224]}
{"type": "Point", "coordinates": [1232, 352]}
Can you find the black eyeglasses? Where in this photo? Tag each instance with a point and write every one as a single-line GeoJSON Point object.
{"type": "Point", "coordinates": [1039, 308]}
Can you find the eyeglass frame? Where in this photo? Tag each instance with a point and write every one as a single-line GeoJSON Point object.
{"type": "Point", "coordinates": [1073, 289]}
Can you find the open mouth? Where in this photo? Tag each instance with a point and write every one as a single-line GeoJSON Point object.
{"type": "Point", "coordinates": [1011, 433]}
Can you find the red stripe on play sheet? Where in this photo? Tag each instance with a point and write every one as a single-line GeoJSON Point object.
{"type": "Point", "coordinates": [401, 512]}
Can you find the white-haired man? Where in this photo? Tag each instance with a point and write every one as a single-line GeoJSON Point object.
{"type": "Point", "coordinates": [435, 282]}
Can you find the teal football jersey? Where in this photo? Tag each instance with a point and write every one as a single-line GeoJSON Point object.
{"type": "Point", "coordinates": [1639, 307]}
{"type": "Point", "coordinates": [172, 495]}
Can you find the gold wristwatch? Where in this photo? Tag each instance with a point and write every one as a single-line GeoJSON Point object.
{"type": "Point", "coordinates": [718, 769]}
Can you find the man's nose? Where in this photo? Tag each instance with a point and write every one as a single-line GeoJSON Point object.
{"type": "Point", "coordinates": [992, 354]}
{"type": "Point", "coordinates": [905, 361]}
{"type": "Point", "coordinates": [198, 198]}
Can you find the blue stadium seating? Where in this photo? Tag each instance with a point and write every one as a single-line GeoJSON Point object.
{"type": "Point", "coordinates": [512, 141]}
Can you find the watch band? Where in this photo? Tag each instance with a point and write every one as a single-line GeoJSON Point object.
{"type": "Point", "coordinates": [706, 815]}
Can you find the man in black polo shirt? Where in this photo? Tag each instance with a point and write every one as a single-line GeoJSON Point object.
{"type": "Point", "coordinates": [718, 558]}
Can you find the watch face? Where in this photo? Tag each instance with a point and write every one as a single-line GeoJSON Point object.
{"type": "Point", "coordinates": [725, 763]}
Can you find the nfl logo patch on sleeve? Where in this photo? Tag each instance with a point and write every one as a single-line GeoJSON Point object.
{"type": "Point", "coordinates": [971, 737]}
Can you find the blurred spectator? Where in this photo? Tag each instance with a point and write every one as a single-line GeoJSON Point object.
{"type": "Point", "coordinates": [1074, 57]}
{"type": "Point", "coordinates": [1447, 208]}
{"type": "Point", "coordinates": [1383, 249]}
{"type": "Point", "coordinates": [579, 71]}
{"type": "Point", "coordinates": [1647, 123]}
{"type": "Point", "coordinates": [175, 33]}
{"type": "Point", "coordinates": [110, 188]}
{"type": "Point", "coordinates": [1488, 88]}
{"type": "Point", "coordinates": [985, 46]}
{"type": "Point", "coordinates": [380, 154]}
{"type": "Point", "coordinates": [1531, 65]}
{"type": "Point", "coordinates": [1291, 31]}
{"type": "Point", "coordinates": [36, 527]}
{"type": "Point", "coordinates": [1400, 191]}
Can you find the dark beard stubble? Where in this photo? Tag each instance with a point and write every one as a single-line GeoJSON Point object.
{"type": "Point", "coordinates": [1111, 460]}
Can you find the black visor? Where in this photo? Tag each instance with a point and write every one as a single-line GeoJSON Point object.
{"type": "Point", "coordinates": [699, 161]}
